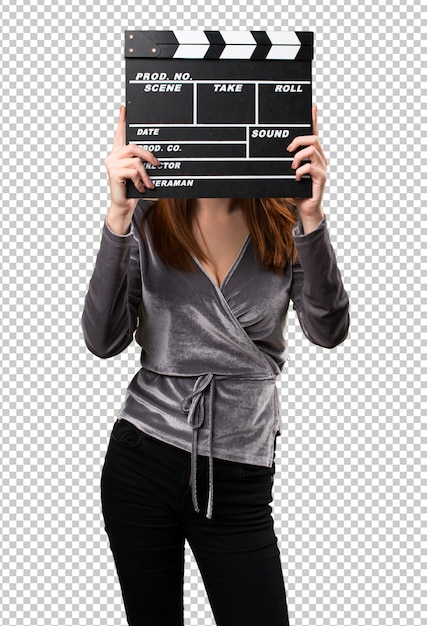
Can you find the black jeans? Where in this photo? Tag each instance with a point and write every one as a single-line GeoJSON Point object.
{"type": "Point", "coordinates": [148, 513]}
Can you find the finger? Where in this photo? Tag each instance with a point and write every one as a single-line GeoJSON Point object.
{"type": "Point", "coordinates": [139, 183]}
{"type": "Point", "coordinates": [317, 174]}
{"type": "Point", "coordinates": [315, 111]}
{"type": "Point", "coordinates": [129, 157]}
{"type": "Point", "coordinates": [313, 154]}
{"type": "Point", "coordinates": [304, 141]}
{"type": "Point", "coordinates": [133, 174]}
{"type": "Point", "coordinates": [122, 174]}
{"type": "Point", "coordinates": [120, 134]}
{"type": "Point", "coordinates": [314, 116]}
{"type": "Point", "coordinates": [137, 162]}
{"type": "Point", "coordinates": [134, 150]}
{"type": "Point", "coordinates": [131, 162]}
{"type": "Point", "coordinates": [133, 169]}
{"type": "Point", "coordinates": [306, 154]}
{"type": "Point", "coordinates": [142, 172]}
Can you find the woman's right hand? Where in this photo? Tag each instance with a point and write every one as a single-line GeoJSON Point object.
{"type": "Point", "coordinates": [125, 163]}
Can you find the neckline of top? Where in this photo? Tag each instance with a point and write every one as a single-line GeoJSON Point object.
{"type": "Point", "coordinates": [231, 270]}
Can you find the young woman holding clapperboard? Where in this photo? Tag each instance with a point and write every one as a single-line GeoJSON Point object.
{"type": "Point", "coordinates": [206, 284]}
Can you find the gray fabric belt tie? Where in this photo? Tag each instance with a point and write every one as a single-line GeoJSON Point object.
{"type": "Point", "coordinates": [194, 405]}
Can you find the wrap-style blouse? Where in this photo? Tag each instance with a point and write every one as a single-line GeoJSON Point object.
{"type": "Point", "coordinates": [210, 355]}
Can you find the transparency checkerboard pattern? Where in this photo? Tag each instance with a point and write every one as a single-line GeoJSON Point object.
{"type": "Point", "coordinates": [350, 480]}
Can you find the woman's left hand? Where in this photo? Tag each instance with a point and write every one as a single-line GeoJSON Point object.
{"type": "Point", "coordinates": [310, 209]}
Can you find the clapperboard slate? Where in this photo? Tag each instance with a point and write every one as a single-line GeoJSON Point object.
{"type": "Point", "coordinates": [218, 109]}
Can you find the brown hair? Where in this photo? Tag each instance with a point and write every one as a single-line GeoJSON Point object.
{"type": "Point", "coordinates": [270, 222]}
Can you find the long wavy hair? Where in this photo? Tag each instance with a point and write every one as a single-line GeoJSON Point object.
{"type": "Point", "coordinates": [270, 222]}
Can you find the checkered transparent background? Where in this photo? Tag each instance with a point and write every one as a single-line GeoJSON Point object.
{"type": "Point", "coordinates": [351, 461]}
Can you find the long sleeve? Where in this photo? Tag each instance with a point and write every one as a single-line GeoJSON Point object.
{"type": "Point", "coordinates": [111, 305]}
{"type": "Point", "coordinates": [318, 294]}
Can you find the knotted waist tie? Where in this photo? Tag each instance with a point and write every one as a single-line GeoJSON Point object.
{"type": "Point", "coordinates": [194, 405]}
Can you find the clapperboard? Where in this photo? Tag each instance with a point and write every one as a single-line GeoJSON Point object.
{"type": "Point", "coordinates": [218, 109]}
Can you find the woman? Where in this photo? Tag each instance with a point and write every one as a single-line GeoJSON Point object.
{"type": "Point", "coordinates": [206, 284]}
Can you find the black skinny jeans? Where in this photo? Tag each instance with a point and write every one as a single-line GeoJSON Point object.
{"type": "Point", "coordinates": [148, 513]}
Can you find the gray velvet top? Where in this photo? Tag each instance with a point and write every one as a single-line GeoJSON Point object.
{"type": "Point", "coordinates": [210, 355]}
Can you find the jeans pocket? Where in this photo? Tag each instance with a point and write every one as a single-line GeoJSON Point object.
{"type": "Point", "coordinates": [256, 472]}
{"type": "Point", "coordinates": [126, 434]}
